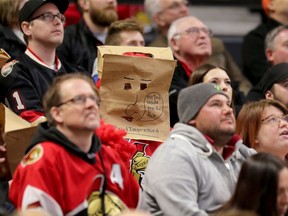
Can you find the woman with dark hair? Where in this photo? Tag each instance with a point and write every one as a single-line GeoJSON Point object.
{"type": "Point", "coordinates": [263, 125]}
{"type": "Point", "coordinates": [262, 186]}
{"type": "Point", "coordinates": [208, 73]}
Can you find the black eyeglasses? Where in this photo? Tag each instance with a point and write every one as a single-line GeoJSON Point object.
{"type": "Point", "coordinates": [195, 31]}
{"type": "Point", "coordinates": [275, 120]}
{"type": "Point", "coordinates": [49, 17]}
{"type": "Point", "coordinates": [81, 99]}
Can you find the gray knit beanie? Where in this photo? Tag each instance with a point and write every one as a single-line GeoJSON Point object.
{"type": "Point", "coordinates": [193, 98]}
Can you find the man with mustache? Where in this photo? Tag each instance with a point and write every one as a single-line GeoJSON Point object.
{"type": "Point", "coordinates": [25, 80]}
{"type": "Point", "coordinates": [195, 170]}
{"type": "Point", "coordinates": [81, 40]}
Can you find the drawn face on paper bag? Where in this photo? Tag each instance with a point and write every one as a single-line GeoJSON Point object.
{"type": "Point", "coordinates": [146, 103]}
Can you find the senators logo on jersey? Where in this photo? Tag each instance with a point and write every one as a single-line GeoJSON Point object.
{"type": "Point", "coordinates": [33, 155]}
{"type": "Point", "coordinates": [113, 205]}
{"type": "Point", "coordinates": [138, 166]}
{"type": "Point", "coordinates": [7, 68]}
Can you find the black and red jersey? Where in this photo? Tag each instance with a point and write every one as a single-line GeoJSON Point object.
{"type": "Point", "coordinates": [24, 82]}
{"type": "Point", "coordinates": [66, 181]}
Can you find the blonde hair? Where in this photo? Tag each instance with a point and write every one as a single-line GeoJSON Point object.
{"type": "Point", "coordinates": [9, 11]}
{"type": "Point", "coordinates": [119, 26]}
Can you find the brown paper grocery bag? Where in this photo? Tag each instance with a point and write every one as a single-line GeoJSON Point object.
{"type": "Point", "coordinates": [4, 57]}
{"type": "Point", "coordinates": [17, 134]}
{"type": "Point", "coordinates": [134, 95]}
{"type": "Point", "coordinates": [17, 143]}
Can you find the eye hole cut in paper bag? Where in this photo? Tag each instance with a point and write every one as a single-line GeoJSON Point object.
{"type": "Point", "coordinates": [134, 95]}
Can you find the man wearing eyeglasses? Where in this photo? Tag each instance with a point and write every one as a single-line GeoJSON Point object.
{"type": "Point", "coordinates": [190, 41]}
{"type": "Point", "coordinates": [163, 12]}
{"type": "Point", "coordinates": [66, 169]}
{"type": "Point", "coordinates": [26, 79]}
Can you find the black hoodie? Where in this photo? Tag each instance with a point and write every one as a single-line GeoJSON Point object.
{"type": "Point", "coordinates": [49, 133]}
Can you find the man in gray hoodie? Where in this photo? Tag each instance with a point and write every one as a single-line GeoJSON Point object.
{"type": "Point", "coordinates": [195, 170]}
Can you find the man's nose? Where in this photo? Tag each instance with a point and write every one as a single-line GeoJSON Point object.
{"type": "Point", "coordinates": [283, 122]}
{"type": "Point", "coordinates": [183, 8]}
{"type": "Point", "coordinates": [228, 109]}
{"type": "Point", "coordinates": [56, 20]}
{"type": "Point", "coordinates": [91, 102]}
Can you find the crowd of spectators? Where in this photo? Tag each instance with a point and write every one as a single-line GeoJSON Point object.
{"type": "Point", "coordinates": [227, 147]}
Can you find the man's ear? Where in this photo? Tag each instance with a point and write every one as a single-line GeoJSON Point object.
{"type": "Point", "coordinates": [25, 26]}
{"type": "Point", "coordinates": [269, 55]}
{"type": "Point", "coordinates": [174, 45]}
{"type": "Point", "coordinates": [269, 95]}
{"type": "Point", "coordinates": [56, 114]}
{"type": "Point", "coordinates": [192, 122]}
{"type": "Point", "coordinates": [158, 20]}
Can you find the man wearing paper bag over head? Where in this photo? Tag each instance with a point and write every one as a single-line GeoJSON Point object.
{"type": "Point", "coordinates": [134, 97]}
{"type": "Point", "coordinates": [134, 93]}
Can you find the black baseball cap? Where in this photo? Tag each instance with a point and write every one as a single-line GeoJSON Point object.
{"type": "Point", "coordinates": [274, 74]}
{"type": "Point", "coordinates": [31, 6]}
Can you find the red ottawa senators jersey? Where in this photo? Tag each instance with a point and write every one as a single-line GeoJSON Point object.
{"type": "Point", "coordinates": [139, 161]}
{"type": "Point", "coordinates": [64, 184]}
